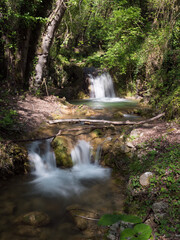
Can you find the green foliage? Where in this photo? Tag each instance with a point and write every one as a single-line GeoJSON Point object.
{"type": "Point", "coordinates": [140, 230]}
{"type": "Point", "coordinates": [137, 41]}
{"type": "Point", "coordinates": [109, 219]}
{"type": "Point", "coordinates": [7, 118]}
{"type": "Point", "coordinates": [163, 160]}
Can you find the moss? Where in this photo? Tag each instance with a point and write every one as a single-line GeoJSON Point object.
{"type": "Point", "coordinates": [118, 115]}
{"type": "Point", "coordinates": [62, 153]}
{"type": "Point", "coordinates": [13, 159]}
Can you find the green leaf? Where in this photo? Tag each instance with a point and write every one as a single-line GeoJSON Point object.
{"type": "Point", "coordinates": [130, 218]}
{"type": "Point", "coordinates": [109, 219]}
{"type": "Point", "coordinates": [128, 233]}
{"type": "Point", "coordinates": [140, 232]}
{"type": "Point", "coordinates": [144, 231]}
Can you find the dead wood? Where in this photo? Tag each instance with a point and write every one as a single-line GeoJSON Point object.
{"type": "Point", "coordinates": [98, 121]}
{"type": "Point", "coordinates": [85, 121]}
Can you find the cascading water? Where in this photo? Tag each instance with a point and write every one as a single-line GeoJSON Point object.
{"type": "Point", "coordinates": [101, 86]}
{"type": "Point", "coordinates": [54, 181]}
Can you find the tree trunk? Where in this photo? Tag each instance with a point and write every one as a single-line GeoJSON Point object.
{"type": "Point", "coordinates": [45, 44]}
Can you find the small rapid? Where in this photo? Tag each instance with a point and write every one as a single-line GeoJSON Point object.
{"type": "Point", "coordinates": [50, 180]}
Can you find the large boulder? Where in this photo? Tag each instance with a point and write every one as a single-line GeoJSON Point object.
{"type": "Point", "coordinates": [61, 147]}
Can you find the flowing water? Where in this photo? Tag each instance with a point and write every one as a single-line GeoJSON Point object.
{"type": "Point", "coordinates": [51, 190]}
{"type": "Point", "coordinates": [102, 95]}
{"type": "Point", "coordinates": [101, 86]}
{"type": "Point", "coordinates": [55, 181]}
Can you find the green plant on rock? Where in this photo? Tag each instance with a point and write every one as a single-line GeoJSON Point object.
{"type": "Point", "coordinates": [139, 230]}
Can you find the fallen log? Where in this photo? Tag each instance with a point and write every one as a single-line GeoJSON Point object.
{"type": "Point", "coordinates": [96, 121]}
{"type": "Point", "coordinates": [85, 121]}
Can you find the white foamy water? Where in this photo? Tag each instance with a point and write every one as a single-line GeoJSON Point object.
{"type": "Point", "coordinates": [51, 180]}
{"type": "Point", "coordinates": [101, 86]}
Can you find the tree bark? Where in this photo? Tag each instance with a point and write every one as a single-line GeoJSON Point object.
{"type": "Point", "coordinates": [45, 44]}
{"type": "Point", "coordinates": [105, 121]}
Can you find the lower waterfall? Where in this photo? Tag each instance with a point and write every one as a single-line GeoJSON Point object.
{"type": "Point", "coordinates": [50, 180]}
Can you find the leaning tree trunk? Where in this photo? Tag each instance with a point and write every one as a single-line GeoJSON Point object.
{"type": "Point", "coordinates": [45, 44]}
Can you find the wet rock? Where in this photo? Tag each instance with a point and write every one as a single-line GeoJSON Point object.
{"type": "Point", "coordinates": [35, 218]}
{"type": "Point", "coordinates": [160, 209]}
{"type": "Point", "coordinates": [83, 218]}
{"type": "Point", "coordinates": [62, 152]}
{"type": "Point", "coordinates": [29, 231]}
{"type": "Point", "coordinates": [145, 178]}
{"type": "Point", "coordinates": [118, 115]}
{"type": "Point", "coordinates": [8, 208]}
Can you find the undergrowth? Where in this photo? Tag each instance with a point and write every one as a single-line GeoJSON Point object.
{"type": "Point", "coordinates": [161, 158]}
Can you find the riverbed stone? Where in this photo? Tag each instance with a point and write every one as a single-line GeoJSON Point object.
{"type": "Point", "coordinates": [8, 208]}
{"type": "Point", "coordinates": [83, 218]}
{"type": "Point", "coordinates": [145, 178]}
{"type": "Point", "coordinates": [29, 231]}
{"type": "Point", "coordinates": [36, 218]}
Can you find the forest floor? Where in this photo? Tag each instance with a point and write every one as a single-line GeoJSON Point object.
{"type": "Point", "coordinates": [31, 112]}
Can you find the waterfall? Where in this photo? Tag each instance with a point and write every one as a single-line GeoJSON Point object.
{"type": "Point", "coordinates": [81, 154]}
{"type": "Point", "coordinates": [101, 86]}
{"type": "Point", "coordinates": [50, 180]}
{"type": "Point", "coordinates": [42, 157]}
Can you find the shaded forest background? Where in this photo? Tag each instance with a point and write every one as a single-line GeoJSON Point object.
{"type": "Point", "coordinates": [137, 41]}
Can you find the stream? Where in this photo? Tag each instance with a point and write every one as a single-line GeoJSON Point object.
{"type": "Point", "coordinates": [53, 190]}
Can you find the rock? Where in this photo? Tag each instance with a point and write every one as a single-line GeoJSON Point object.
{"type": "Point", "coordinates": [12, 159]}
{"type": "Point", "coordinates": [129, 144]}
{"type": "Point", "coordinates": [35, 218]}
{"type": "Point", "coordinates": [113, 231]}
{"type": "Point", "coordinates": [62, 152]}
{"type": "Point", "coordinates": [118, 227]}
{"type": "Point", "coordinates": [118, 115]}
{"type": "Point", "coordinates": [146, 125]}
{"type": "Point", "coordinates": [135, 133]}
{"type": "Point", "coordinates": [8, 208]}
{"type": "Point", "coordinates": [29, 231]}
{"type": "Point", "coordinates": [160, 209]}
{"type": "Point", "coordinates": [145, 178]}
{"type": "Point", "coordinates": [81, 217]}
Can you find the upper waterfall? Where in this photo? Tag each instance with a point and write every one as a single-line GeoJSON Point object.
{"type": "Point", "coordinates": [101, 86]}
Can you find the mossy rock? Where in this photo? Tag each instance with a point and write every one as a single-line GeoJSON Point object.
{"type": "Point", "coordinates": [62, 152]}
{"type": "Point", "coordinates": [13, 159]}
{"type": "Point", "coordinates": [118, 115]}
{"type": "Point", "coordinates": [36, 218]}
